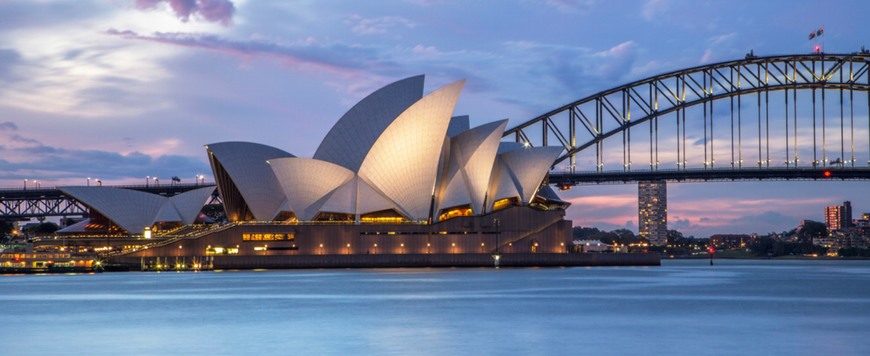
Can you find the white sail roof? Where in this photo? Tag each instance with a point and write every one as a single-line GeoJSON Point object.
{"type": "Point", "coordinates": [129, 209]}
{"type": "Point", "coordinates": [133, 210]}
{"type": "Point", "coordinates": [527, 168]}
{"type": "Point", "coordinates": [308, 183]}
{"type": "Point", "coordinates": [472, 155]}
{"type": "Point", "coordinates": [189, 203]}
{"type": "Point", "coordinates": [351, 138]}
{"type": "Point", "coordinates": [403, 162]}
{"type": "Point", "coordinates": [245, 181]}
{"type": "Point", "coordinates": [357, 197]}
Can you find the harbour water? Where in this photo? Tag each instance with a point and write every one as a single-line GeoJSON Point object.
{"type": "Point", "coordinates": [680, 308]}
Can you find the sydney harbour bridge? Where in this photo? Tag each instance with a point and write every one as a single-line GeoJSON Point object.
{"type": "Point", "coordinates": [758, 118]}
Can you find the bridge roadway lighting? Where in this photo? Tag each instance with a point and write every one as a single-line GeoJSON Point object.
{"type": "Point", "coordinates": [147, 178]}
{"type": "Point", "coordinates": [25, 184]}
{"type": "Point", "coordinates": [89, 181]}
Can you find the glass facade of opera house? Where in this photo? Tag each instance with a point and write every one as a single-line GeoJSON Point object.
{"type": "Point", "coordinates": [397, 174]}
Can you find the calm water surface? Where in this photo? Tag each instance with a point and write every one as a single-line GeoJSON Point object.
{"type": "Point", "coordinates": [682, 307]}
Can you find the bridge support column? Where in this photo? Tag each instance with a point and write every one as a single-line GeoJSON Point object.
{"type": "Point", "coordinates": [652, 201]}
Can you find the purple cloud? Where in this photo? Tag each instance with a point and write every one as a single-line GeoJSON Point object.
{"type": "Point", "coordinates": [220, 11]}
{"type": "Point", "coordinates": [8, 126]}
{"type": "Point", "coordinates": [335, 57]}
{"type": "Point", "coordinates": [379, 25]}
{"type": "Point", "coordinates": [70, 164]}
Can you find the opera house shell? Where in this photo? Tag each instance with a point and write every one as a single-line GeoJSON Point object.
{"type": "Point", "coordinates": [396, 156]}
{"type": "Point", "coordinates": [398, 173]}
{"type": "Point", "coordinates": [114, 210]}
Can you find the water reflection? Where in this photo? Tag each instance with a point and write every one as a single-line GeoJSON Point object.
{"type": "Point", "coordinates": [683, 307]}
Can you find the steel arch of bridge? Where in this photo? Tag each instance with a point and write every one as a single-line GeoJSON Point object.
{"type": "Point", "coordinates": [586, 123]}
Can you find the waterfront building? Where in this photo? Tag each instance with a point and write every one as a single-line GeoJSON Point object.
{"type": "Point", "coordinates": [652, 201]}
{"type": "Point", "coordinates": [731, 241]}
{"type": "Point", "coordinates": [838, 217]}
{"type": "Point", "coordinates": [397, 174]}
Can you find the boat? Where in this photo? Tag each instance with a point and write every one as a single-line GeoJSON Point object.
{"type": "Point", "coordinates": [26, 263]}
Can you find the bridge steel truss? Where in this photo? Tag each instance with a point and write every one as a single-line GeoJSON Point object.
{"type": "Point", "coordinates": [762, 110]}
{"type": "Point", "coordinates": [23, 204]}
{"type": "Point", "coordinates": [38, 203]}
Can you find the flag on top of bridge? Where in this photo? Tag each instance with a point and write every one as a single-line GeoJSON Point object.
{"type": "Point", "coordinates": [817, 33]}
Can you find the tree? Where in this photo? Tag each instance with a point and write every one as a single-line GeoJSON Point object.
{"type": "Point", "coordinates": [45, 228]}
{"type": "Point", "coordinates": [6, 227]}
{"type": "Point", "coordinates": [812, 229]}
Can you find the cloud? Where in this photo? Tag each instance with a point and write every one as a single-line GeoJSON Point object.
{"type": "Point", "coordinates": [717, 42]}
{"type": "Point", "coordinates": [768, 217]}
{"type": "Point", "coordinates": [28, 158]}
{"type": "Point", "coordinates": [653, 8]}
{"type": "Point", "coordinates": [707, 57]}
{"type": "Point", "coordinates": [568, 72]}
{"type": "Point", "coordinates": [723, 39]}
{"type": "Point", "coordinates": [379, 25]}
{"type": "Point", "coordinates": [8, 126]}
{"type": "Point", "coordinates": [617, 60]}
{"type": "Point", "coordinates": [218, 11]}
{"type": "Point", "coordinates": [570, 6]}
{"type": "Point", "coordinates": [8, 59]}
{"type": "Point", "coordinates": [336, 57]}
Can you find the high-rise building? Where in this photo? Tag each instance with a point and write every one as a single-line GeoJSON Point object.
{"type": "Point", "coordinates": [838, 217]}
{"type": "Point", "coordinates": [847, 214]}
{"type": "Point", "coordinates": [652, 201]}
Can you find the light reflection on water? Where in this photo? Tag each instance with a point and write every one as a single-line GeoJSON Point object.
{"type": "Point", "coordinates": [683, 307]}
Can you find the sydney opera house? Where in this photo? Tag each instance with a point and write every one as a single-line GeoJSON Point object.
{"type": "Point", "coordinates": [398, 174]}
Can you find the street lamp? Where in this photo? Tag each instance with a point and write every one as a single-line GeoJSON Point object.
{"type": "Point", "coordinates": [25, 184]}
{"type": "Point", "coordinates": [89, 181]}
{"type": "Point", "coordinates": [99, 183]}
{"type": "Point", "coordinates": [156, 182]}
{"type": "Point", "coordinates": [147, 178]}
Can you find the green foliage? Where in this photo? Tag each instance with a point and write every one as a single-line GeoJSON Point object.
{"type": "Point", "coordinates": [46, 228]}
{"type": "Point", "coordinates": [769, 247]}
{"type": "Point", "coordinates": [6, 227]}
{"type": "Point", "coordinates": [812, 229]}
{"type": "Point", "coordinates": [853, 252]}
{"type": "Point", "coordinates": [621, 236]}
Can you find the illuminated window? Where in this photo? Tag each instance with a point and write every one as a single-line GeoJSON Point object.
{"type": "Point", "coordinates": [388, 216]}
{"type": "Point", "coordinates": [450, 213]}
{"type": "Point", "coordinates": [504, 203]}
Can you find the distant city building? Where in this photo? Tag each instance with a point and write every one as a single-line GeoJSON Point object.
{"type": "Point", "coordinates": [652, 201]}
{"type": "Point", "coordinates": [863, 225]}
{"type": "Point", "coordinates": [838, 217]}
{"type": "Point", "coordinates": [591, 246]}
{"type": "Point", "coordinates": [724, 241]}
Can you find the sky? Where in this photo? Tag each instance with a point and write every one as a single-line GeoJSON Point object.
{"type": "Point", "coordinates": [118, 90]}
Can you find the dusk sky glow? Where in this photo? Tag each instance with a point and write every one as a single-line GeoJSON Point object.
{"type": "Point", "coordinates": [123, 89]}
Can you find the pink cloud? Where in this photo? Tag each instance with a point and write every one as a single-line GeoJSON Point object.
{"type": "Point", "coordinates": [332, 58]}
{"type": "Point", "coordinates": [220, 11]}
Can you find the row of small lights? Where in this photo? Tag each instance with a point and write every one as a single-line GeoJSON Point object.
{"type": "Point", "coordinates": [199, 179]}
{"type": "Point", "coordinates": [35, 182]}
{"type": "Point", "coordinates": [738, 162]}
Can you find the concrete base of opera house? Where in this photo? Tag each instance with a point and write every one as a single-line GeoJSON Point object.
{"type": "Point", "coordinates": [521, 235]}
{"type": "Point", "coordinates": [396, 261]}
